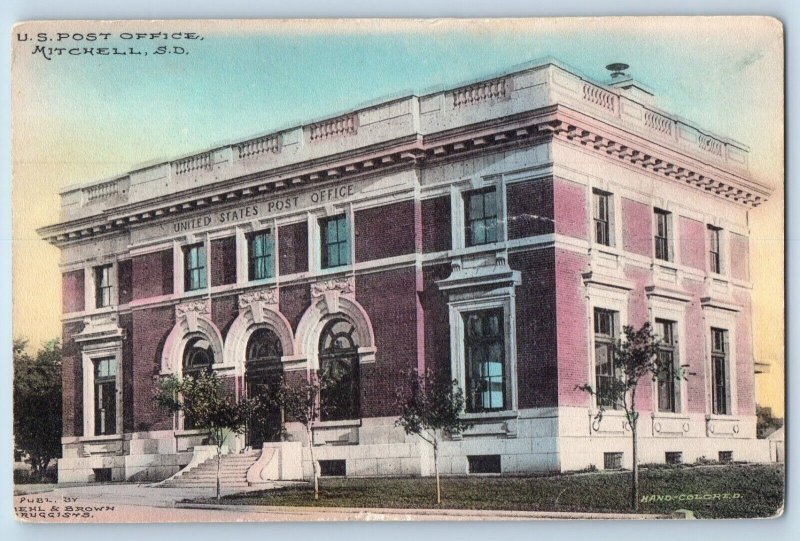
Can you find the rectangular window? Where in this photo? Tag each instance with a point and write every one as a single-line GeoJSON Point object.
{"type": "Point", "coordinates": [484, 464]}
{"type": "Point", "coordinates": [673, 457]}
{"type": "Point", "coordinates": [662, 237]}
{"type": "Point", "coordinates": [260, 255]}
{"type": "Point", "coordinates": [714, 259]}
{"type": "Point", "coordinates": [481, 217]}
{"type": "Point", "coordinates": [194, 267]}
{"type": "Point", "coordinates": [602, 217]}
{"type": "Point", "coordinates": [606, 371]}
{"type": "Point", "coordinates": [103, 285]}
{"type": "Point", "coordinates": [333, 468]}
{"type": "Point", "coordinates": [335, 241]}
{"type": "Point", "coordinates": [719, 367]}
{"type": "Point", "coordinates": [612, 461]}
{"type": "Point", "coordinates": [105, 396]}
{"type": "Point", "coordinates": [484, 354]}
{"type": "Point", "coordinates": [725, 457]}
{"type": "Point", "coordinates": [667, 357]}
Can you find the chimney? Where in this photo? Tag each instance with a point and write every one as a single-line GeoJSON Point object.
{"type": "Point", "coordinates": [628, 86]}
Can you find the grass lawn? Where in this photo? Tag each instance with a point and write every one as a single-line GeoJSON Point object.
{"type": "Point", "coordinates": [759, 489]}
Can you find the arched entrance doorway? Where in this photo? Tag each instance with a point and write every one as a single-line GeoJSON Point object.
{"type": "Point", "coordinates": [263, 371]}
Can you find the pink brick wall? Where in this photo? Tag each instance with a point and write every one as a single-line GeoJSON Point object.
{"type": "Point", "coordinates": [126, 324]}
{"type": "Point", "coordinates": [293, 302]}
{"type": "Point", "coordinates": [571, 329]}
{"type": "Point", "coordinates": [223, 311]}
{"type": "Point", "coordinates": [436, 224]}
{"type": "Point", "coordinates": [437, 320]}
{"type": "Point", "coordinates": [745, 376]}
{"type": "Point", "coordinates": [530, 208]}
{"type": "Point", "coordinates": [637, 233]}
{"type": "Point", "coordinates": [537, 360]}
{"type": "Point", "coordinates": [740, 257]}
{"type": "Point", "coordinates": [293, 247]}
{"type": "Point", "coordinates": [390, 300]}
{"type": "Point", "coordinates": [73, 295]}
{"type": "Point", "coordinates": [692, 242]}
{"type": "Point", "coordinates": [385, 231]}
{"type": "Point", "coordinates": [223, 261]}
{"type": "Point", "coordinates": [71, 381]}
{"type": "Point", "coordinates": [695, 353]}
{"type": "Point", "coordinates": [125, 280]}
{"type": "Point", "coordinates": [151, 327]}
{"type": "Point", "coordinates": [637, 315]}
{"type": "Point", "coordinates": [152, 275]}
{"type": "Point", "coordinates": [569, 207]}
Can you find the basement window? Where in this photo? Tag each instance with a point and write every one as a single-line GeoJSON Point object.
{"type": "Point", "coordinates": [333, 468]}
{"type": "Point", "coordinates": [725, 457]}
{"type": "Point", "coordinates": [102, 475]}
{"type": "Point", "coordinates": [484, 463]}
{"type": "Point", "coordinates": [673, 457]}
{"type": "Point", "coordinates": [612, 461]}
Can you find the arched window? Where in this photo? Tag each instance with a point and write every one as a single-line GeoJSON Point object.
{"type": "Point", "coordinates": [262, 376]}
{"type": "Point", "coordinates": [264, 345]}
{"type": "Point", "coordinates": [338, 363]}
{"type": "Point", "coordinates": [198, 356]}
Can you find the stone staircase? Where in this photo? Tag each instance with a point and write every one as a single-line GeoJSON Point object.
{"type": "Point", "coordinates": [232, 473]}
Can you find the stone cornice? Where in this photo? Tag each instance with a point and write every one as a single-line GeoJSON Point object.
{"type": "Point", "coordinates": [557, 121]}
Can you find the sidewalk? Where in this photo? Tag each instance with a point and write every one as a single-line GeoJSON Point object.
{"type": "Point", "coordinates": [365, 514]}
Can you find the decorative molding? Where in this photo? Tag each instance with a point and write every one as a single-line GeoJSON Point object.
{"type": "Point", "coordinates": [260, 145]}
{"type": "Point", "coordinates": [598, 96]}
{"type": "Point", "coordinates": [99, 327]}
{"type": "Point", "coordinates": [497, 89]}
{"type": "Point", "coordinates": [334, 128]}
{"type": "Point", "coordinates": [331, 290]}
{"type": "Point", "coordinates": [258, 301]}
{"type": "Point", "coordinates": [192, 310]}
{"type": "Point", "coordinates": [197, 162]}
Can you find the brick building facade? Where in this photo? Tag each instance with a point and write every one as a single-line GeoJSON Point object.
{"type": "Point", "coordinates": [502, 232]}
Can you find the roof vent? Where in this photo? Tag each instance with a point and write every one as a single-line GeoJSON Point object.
{"type": "Point", "coordinates": [627, 85]}
{"type": "Point", "coordinates": [617, 70]}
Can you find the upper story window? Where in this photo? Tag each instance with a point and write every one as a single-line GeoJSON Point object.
{"type": "Point", "coordinates": [103, 285]}
{"type": "Point", "coordinates": [105, 396]}
{"type": "Point", "coordinates": [260, 255]}
{"type": "Point", "coordinates": [714, 250]}
{"type": "Point", "coordinates": [481, 217]}
{"type": "Point", "coordinates": [606, 323]}
{"type": "Point", "coordinates": [663, 235]}
{"type": "Point", "coordinates": [194, 267]}
{"type": "Point", "coordinates": [339, 367]}
{"type": "Point", "coordinates": [668, 357]}
{"type": "Point", "coordinates": [602, 215]}
{"type": "Point", "coordinates": [484, 358]}
{"type": "Point", "coordinates": [335, 241]}
{"type": "Point", "coordinates": [720, 386]}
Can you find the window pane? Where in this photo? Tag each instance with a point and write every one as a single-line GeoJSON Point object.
{"type": "Point", "coordinates": [490, 204]}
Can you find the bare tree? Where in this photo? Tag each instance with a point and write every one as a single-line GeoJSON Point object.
{"type": "Point", "coordinates": [636, 358]}
{"type": "Point", "coordinates": [203, 400]}
{"type": "Point", "coordinates": [431, 408]}
{"type": "Point", "coordinates": [300, 402]}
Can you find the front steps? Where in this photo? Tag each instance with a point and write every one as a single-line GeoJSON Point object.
{"type": "Point", "coordinates": [232, 473]}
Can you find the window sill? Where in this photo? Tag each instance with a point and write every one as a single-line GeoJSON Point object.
{"type": "Point", "coordinates": [345, 423]}
{"type": "Point", "coordinates": [100, 439]}
{"type": "Point", "coordinates": [490, 415]}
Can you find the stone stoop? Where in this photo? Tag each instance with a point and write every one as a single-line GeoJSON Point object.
{"type": "Point", "coordinates": [232, 472]}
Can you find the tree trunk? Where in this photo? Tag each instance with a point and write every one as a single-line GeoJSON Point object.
{"type": "Point", "coordinates": [436, 471]}
{"type": "Point", "coordinates": [635, 478]}
{"type": "Point", "coordinates": [313, 463]}
{"type": "Point", "coordinates": [219, 459]}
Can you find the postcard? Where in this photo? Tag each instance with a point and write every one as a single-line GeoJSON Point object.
{"type": "Point", "coordinates": [490, 269]}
